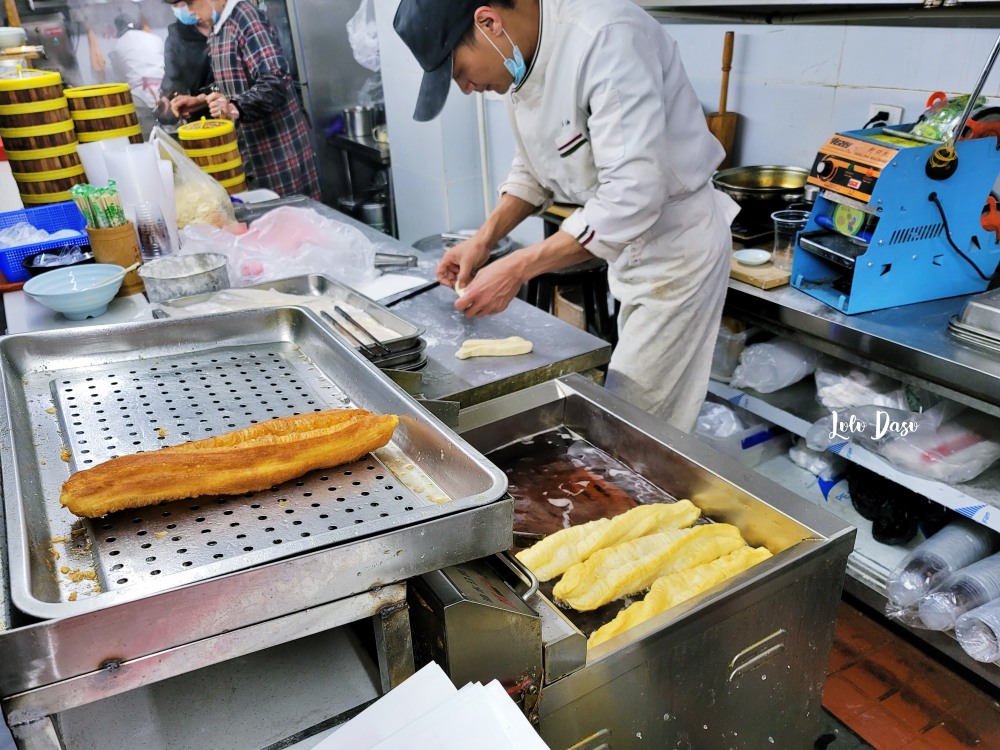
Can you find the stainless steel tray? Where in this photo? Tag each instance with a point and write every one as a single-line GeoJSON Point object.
{"type": "Point", "coordinates": [75, 398]}
{"type": "Point", "coordinates": [318, 285]}
{"type": "Point", "coordinates": [982, 312]}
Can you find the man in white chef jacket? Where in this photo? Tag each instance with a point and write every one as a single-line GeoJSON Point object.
{"type": "Point", "coordinates": [604, 118]}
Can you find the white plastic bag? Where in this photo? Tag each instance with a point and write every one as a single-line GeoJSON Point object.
{"type": "Point", "coordinates": [717, 421]}
{"type": "Point", "coordinates": [286, 242]}
{"type": "Point", "coordinates": [948, 442]}
{"type": "Point", "coordinates": [773, 365]}
{"type": "Point", "coordinates": [363, 36]}
{"type": "Point", "coordinates": [822, 464]}
{"type": "Point", "coordinates": [199, 199]}
{"type": "Point", "coordinates": [841, 386]}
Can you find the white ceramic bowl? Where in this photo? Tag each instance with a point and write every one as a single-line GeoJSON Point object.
{"type": "Point", "coordinates": [78, 292]}
{"type": "Point", "coordinates": [752, 257]}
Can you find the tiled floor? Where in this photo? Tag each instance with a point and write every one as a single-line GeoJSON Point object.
{"type": "Point", "coordinates": [894, 696]}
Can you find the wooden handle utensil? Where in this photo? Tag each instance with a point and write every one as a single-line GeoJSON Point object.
{"type": "Point", "coordinates": [723, 123]}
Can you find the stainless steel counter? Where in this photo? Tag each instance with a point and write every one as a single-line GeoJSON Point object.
{"type": "Point", "coordinates": [909, 342]}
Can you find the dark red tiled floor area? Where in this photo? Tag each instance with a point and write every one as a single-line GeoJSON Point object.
{"type": "Point", "coordinates": [895, 697]}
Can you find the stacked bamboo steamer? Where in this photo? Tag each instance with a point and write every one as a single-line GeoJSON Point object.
{"type": "Point", "coordinates": [39, 136]}
{"type": "Point", "coordinates": [104, 111]}
{"type": "Point", "coordinates": [212, 145]}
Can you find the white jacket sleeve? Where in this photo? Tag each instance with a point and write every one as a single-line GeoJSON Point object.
{"type": "Point", "coordinates": [647, 130]}
{"type": "Point", "coordinates": [521, 183]}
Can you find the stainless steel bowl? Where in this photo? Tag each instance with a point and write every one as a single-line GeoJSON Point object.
{"type": "Point", "coordinates": [762, 189]}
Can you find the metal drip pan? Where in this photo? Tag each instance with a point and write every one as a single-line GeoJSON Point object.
{"type": "Point", "coordinates": [74, 399]}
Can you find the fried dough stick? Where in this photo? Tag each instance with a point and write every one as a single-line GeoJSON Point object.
{"type": "Point", "coordinates": [254, 458]}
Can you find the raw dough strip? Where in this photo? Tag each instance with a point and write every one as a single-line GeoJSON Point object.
{"type": "Point", "coordinates": [507, 347]}
{"type": "Point", "coordinates": [671, 590]}
{"type": "Point", "coordinates": [556, 553]}
{"type": "Point", "coordinates": [254, 458]}
{"type": "Point", "coordinates": [630, 567]}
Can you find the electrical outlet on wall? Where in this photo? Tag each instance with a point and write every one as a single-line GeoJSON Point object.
{"type": "Point", "coordinates": [884, 114]}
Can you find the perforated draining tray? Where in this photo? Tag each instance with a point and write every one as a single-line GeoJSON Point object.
{"type": "Point", "coordinates": [77, 399]}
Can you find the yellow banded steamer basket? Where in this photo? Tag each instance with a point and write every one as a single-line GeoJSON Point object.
{"type": "Point", "coordinates": [35, 123]}
{"type": "Point", "coordinates": [104, 111]}
{"type": "Point", "coordinates": [213, 146]}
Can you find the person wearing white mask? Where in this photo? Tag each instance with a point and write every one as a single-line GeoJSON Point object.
{"type": "Point", "coordinates": [604, 118]}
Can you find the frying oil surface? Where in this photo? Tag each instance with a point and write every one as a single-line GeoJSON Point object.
{"type": "Point", "coordinates": [558, 480]}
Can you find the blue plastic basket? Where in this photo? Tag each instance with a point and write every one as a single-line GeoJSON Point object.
{"type": "Point", "coordinates": [51, 219]}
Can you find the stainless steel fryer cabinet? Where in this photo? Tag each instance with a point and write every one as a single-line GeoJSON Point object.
{"type": "Point", "coordinates": [739, 666]}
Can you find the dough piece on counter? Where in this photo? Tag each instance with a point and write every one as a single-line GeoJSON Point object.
{"type": "Point", "coordinates": [630, 567]}
{"type": "Point", "coordinates": [254, 458]}
{"type": "Point", "coordinates": [673, 589]}
{"type": "Point", "coordinates": [493, 347]}
{"type": "Point", "coordinates": [557, 552]}
{"type": "Point", "coordinates": [459, 290]}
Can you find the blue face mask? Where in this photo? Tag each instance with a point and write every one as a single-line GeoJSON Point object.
{"type": "Point", "coordinates": [185, 16]}
{"type": "Point", "coordinates": [215, 16]}
{"type": "Point", "coordinates": [515, 66]}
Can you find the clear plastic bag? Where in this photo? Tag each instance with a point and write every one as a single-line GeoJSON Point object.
{"type": "Point", "coordinates": [978, 632]}
{"type": "Point", "coordinates": [966, 589]}
{"type": "Point", "coordinates": [942, 115]}
{"type": "Point", "coordinates": [948, 442]}
{"type": "Point", "coordinates": [363, 36]}
{"type": "Point", "coordinates": [286, 242]}
{"type": "Point", "coordinates": [773, 365]}
{"type": "Point", "coordinates": [717, 421]}
{"type": "Point", "coordinates": [822, 464]}
{"type": "Point", "coordinates": [199, 198]}
{"type": "Point", "coordinates": [956, 546]}
{"type": "Point", "coordinates": [842, 386]}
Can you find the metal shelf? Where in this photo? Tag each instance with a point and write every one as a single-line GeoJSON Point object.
{"type": "Point", "coordinates": [795, 409]}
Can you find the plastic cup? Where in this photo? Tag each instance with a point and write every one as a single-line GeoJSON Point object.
{"type": "Point", "coordinates": [787, 224]}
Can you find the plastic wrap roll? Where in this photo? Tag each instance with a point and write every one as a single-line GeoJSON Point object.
{"type": "Point", "coordinates": [967, 589]}
{"type": "Point", "coordinates": [978, 631]}
{"type": "Point", "coordinates": [956, 546]}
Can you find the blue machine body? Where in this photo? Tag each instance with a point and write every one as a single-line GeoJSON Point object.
{"type": "Point", "coordinates": [908, 257]}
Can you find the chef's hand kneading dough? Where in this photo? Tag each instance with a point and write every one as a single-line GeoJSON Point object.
{"type": "Point", "coordinates": [493, 347]}
{"type": "Point", "coordinates": [254, 458]}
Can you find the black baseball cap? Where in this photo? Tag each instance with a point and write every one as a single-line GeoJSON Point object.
{"type": "Point", "coordinates": [432, 30]}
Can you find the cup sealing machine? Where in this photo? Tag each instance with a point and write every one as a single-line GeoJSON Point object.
{"type": "Point", "coordinates": [904, 219]}
{"type": "Point", "coordinates": [887, 229]}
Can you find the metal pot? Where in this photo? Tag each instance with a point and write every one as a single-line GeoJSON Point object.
{"type": "Point", "coordinates": [176, 276]}
{"type": "Point", "coordinates": [762, 189]}
{"type": "Point", "coordinates": [358, 121]}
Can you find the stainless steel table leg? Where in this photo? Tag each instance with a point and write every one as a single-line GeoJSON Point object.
{"type": "Point", "coordinates": [37, 735]}
{"type": "Point", "coordinates": [394, 644]}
